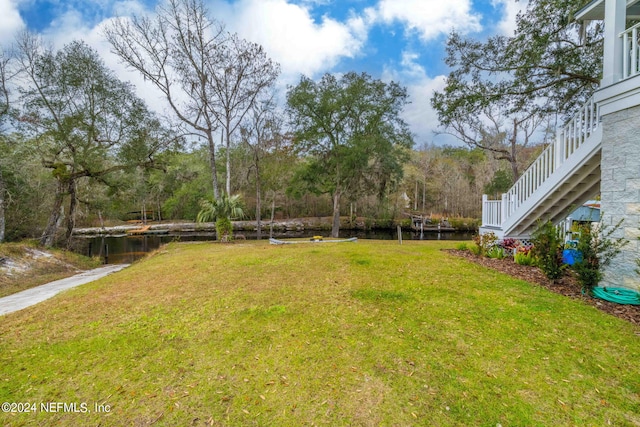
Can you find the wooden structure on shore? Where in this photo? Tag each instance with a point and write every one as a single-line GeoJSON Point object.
{"type": "Point", "coordinates": [423, 223]}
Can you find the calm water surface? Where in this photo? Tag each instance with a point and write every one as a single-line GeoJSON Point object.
{"type": "Point", "coordinates": [126, 249]}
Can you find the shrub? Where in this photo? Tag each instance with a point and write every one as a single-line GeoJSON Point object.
{"type": "Point", "coordinates": [224, 229]}
{"type": "Point", "coordinates": [524, 249]}
{"type": "Point", "coordinates": [404, 223]}
{"type": "Point", "coordinates": [547, 250]}
{"type": "Point", "coordinates": [598, 249]}
{"type": "Point", "coordinates": [484, 242]}
{"type": "Point", "coordinates": [368, 223]}
{"type": "Point", "coordinates": [468, 224]}
{"type": "Point", "coordinates": [222, 211]}
{"type": "Point", "coordinates": [462, 246]}
{"type": "Point", "coordinates": [524, 258]}
{"type": "Point", "coordinates": [476, 250]}
{"type": "Point", "coordinates": [496, 252]}
{"type": "Point", "coordinates": [510, 243]}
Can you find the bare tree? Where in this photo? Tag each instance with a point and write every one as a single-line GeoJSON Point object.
{"type": "Point", "coordinates": [261, 133]}
{"type": "Point", "coordinates": [6, 74]}
{"type": "Point", "coordinates": [498, 133]}
{"type": "Point", "coordinates": [177, 51]}
{"type": "Point", "coordinates": [242, 73]}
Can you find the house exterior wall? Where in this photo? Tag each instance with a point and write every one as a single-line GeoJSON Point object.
{"type": "Point", "coordinates": [620, 192]}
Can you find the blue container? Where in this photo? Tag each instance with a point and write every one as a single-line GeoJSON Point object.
{"type": "Point", "coordinates": [571, 256]}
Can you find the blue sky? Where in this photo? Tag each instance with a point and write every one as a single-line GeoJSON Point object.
{"type": "Point", "coordinates": [400, 40]}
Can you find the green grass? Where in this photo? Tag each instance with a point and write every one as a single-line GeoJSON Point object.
{"type": "Point", "coordinates": [367, 333]}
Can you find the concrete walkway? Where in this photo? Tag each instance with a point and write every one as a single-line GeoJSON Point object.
{"type": "Point", "coordinates": [38, 294]}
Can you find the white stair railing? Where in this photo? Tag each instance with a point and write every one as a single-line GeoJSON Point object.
{"type": "Point", "coordinates": [631, 49]}
{"type": "Point", "coordinates": [568, 140]}
{"type": "Point", "coordinates": [491, 211]}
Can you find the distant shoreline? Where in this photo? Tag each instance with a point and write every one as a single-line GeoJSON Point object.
{"type": "Point", "coordinates": [295, 224]}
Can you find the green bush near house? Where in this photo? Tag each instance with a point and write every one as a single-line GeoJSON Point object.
{"type": "Point", "coordinates": [523, 258]}
{"type": "Point", "coordinates": [476, 250]}
{"type": "Point", "coordinates": [598, 248]}
{"type": "Point", "coordinates": [496, 252]}
{"type": "Point", "coordinates": [484, 242]}
{"type": "Point", "coordinates": [547, 250]}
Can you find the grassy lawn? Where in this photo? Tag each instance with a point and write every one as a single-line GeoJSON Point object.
{"type": "Point", "coordinates": [368, 333]}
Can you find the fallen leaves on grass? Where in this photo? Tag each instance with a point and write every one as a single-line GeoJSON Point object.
{"type": "Point", "coordinates": [566, 286]}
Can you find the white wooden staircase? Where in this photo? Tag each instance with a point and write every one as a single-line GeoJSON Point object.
{"type": "Point", "coordinates": [562, 178]}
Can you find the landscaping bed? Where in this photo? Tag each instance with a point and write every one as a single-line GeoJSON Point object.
{"type": "Point", "coordinates": [566, 286]}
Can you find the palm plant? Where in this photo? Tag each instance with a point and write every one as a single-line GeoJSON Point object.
{"type": "Point", "coordinates": [222, 211]}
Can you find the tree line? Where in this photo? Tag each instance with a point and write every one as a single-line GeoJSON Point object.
{"type": "Point", "coordinates": [79, 147]}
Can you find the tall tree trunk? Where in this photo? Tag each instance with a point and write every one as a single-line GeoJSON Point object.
{"type": "Point", "coordinates": [228, 185]}
{"type": "Point", "coordinates": [212, 161]}
{"type": "Point", "coordinates": [258, 203]}
{"type": "Point", "coordinates": [273, 213]}
{"type": "Point", "coordinates": [514, 154]}
{"type": "Point", "coordinates": [335, 227]}
{"type": "Point", "coordinates": [73, 207]}
{"type": "Point", "coordinates": [3, 189]}
{"type": "Point", "coordinates": [49, 234]}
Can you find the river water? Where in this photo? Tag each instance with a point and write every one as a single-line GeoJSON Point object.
{"type": "Point", "coordinates": [126, 249]}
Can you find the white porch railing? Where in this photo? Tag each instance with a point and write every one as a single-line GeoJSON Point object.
{"type": "Point", "coordinates": [631, 49]}
{"type": "Point", "coordinates": [568, 140]}
{"type": "Point", "coordinates": [492, 211]}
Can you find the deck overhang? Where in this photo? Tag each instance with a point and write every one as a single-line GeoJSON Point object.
{"type": "Point", "coordinates": [594, 11]}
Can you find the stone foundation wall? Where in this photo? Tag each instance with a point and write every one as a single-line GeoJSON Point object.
{"type": "Point", "coordinates": [620, 192]}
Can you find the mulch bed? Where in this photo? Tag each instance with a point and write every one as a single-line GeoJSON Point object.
{"type": "Point", "coordinates": [566, 286]}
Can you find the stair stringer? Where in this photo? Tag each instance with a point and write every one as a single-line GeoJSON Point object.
{"type": "Point", "coordinates": [580, 171]}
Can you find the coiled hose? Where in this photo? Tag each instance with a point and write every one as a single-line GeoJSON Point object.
{"type": "Point", "coordinates": [617, 295]}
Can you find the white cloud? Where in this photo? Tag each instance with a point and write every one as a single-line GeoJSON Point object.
{"type": "Point", "coordinates": [10, 21]}
{"type": "Point", "coordinates": [293, 38]}
{"type": "Point", "coordinates": [419, 115]}
{"type": "Point", "coordinates": [301, 43]}
{"type": "Point", "coordinates": [430, 18]}
{"type": "Point", "coordinates": [507, 25]}
{"type": "Point", "coordinates": [129, 8]}
{"type": "Point", "coordinates": [66, 28]}
{"type": "Point", "coordinates": [361, 24]}
{"type": "Point", "coordinates": [288, 32]}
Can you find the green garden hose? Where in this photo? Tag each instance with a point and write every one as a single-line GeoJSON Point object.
{"type": "Point", "coordinates": [617, 295]}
